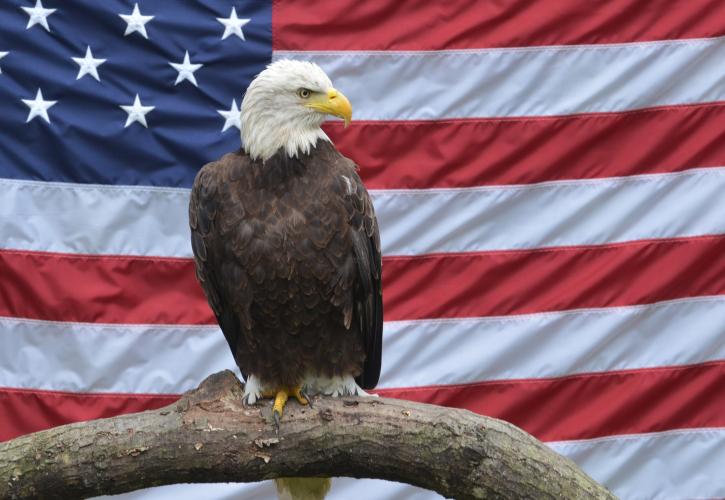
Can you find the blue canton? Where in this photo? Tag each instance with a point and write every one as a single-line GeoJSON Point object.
{"type": "Point", "coordinates": [125, 92]}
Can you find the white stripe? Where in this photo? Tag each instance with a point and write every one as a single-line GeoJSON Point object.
{"type": "Point", "coordinates": [145, 359]}
{"type": "Point", "coordinates": [673, 465]}
{"type": "Point", "coordinates": [561, 213]}
{"type": "Point", "coordinates": [431, 352]}
{"type": "Point", "coordinates": [153, 221]}
{"type": "Point", "coordinates": [670, 465]}
{"type": "Point", "coordinates": [86, 218]}
{"type": "Point", "coordinates": [88, 357]}
{"type": "Point", "coordinates": [533, 81]}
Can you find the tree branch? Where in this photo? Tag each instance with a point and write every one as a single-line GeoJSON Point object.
{"type": "Point", "coordinates": [209, 436]}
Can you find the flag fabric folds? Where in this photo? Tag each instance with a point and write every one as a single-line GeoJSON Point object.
{"type": "Point", "coordinates": [548, 179]}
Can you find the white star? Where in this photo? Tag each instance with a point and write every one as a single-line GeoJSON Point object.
{"type": "Point", "coordinates": [233, 117]}
{"type": "Point", "coordinates": [232, 24]}
{"type": "Point", "coordinates": [136, 22]}
{"type": "Point", "coordinates": [137, 112]}
{"type": "Point", "coordinates": [38, 107]}
{"type": "Point", "coordinates": [186, 70]}
{"type": "Point", "coordinates": [2, 54]}
{"type": "Point", "coordinates": [38, 15]}
{"type": "Point", "coordinates": [88, 65]}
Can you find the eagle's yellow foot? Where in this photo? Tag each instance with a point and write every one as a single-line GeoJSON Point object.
{"type": "Point", "coordinates": [280, 400]}
{"type": "Point", "coordinates": [300, 396]}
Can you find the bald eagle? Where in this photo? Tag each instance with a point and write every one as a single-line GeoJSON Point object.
{"type": "Point", "coordinates": [287, 247]}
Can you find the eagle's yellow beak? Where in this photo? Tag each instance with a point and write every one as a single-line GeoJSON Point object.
{"type": "Point", "coordinates": [334, 103]}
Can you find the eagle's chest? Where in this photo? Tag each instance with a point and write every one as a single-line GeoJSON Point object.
{"type": "Point", "coordinates": [294, 242]}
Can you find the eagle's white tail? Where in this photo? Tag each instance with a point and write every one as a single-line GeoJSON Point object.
{"type": "Point", "coordinates": [302, 488]}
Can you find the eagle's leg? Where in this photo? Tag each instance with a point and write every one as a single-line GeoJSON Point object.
{"type": "Point", "coordinates": [280, 400]}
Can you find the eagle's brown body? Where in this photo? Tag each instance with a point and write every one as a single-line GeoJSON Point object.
{"type": "Point", "coordinates": [288, 254]}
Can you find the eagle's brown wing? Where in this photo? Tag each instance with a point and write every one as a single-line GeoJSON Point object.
{"type": "Point", "coordinates": [367, 297]}
{"type": "Point", "coordinates": [368, 293]}
{"type": "Point", "coordinates": [203, 209]}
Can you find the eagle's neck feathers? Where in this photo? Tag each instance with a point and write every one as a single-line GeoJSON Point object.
{"type": "Point", "coordinates": [264, 136]}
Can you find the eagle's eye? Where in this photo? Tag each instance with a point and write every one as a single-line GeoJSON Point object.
{"type": "Point", "coordinates": [304, 93]}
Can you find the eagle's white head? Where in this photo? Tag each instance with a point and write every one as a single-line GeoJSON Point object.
{"type": "Point", "coordinates": [284, 107]}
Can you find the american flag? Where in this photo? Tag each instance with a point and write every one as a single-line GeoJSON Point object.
{"type": "Point", "coordinates": [549, 179]}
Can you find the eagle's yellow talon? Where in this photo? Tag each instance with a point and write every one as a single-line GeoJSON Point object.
{"type": "Point", "coordinates": [297, 393]}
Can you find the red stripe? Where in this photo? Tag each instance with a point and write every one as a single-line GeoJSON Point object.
{"type": "Point", "coordinates": [23, 411]}
{"type": "Point", "coordinates": [466, 24]}
{"type": "Point", "coordinates": [477, 152]}
{"type": "Point", "coordinates": [107, 289]}
{"type": "Point", "coordinates": [102, 289]}
{"type": "Point", "coordinates": [593, 405]}
{"type": "Point", "coordinates": [520, 282]}
{"type": "Point", "coordinates": [575, 407]}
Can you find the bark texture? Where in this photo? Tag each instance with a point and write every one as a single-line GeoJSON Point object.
{"type": "Point", "coordinates": [209, 436]}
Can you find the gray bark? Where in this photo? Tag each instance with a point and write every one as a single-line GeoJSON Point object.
{"type": "Point", "coordinates": [209, 436]}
